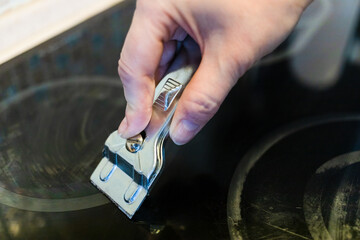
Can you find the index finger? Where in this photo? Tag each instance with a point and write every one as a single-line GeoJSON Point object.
{"type": "Point", "coordinates": [138, 62]}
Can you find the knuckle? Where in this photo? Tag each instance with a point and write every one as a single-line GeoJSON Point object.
{"type": "Point", "coordinates": [135, 83]}
{"type": "Point", "coordinates": [126, 73]}
{"type": "Point", "coordinates": [242, 61]}
{"type": "Point", "coordinates": [236, 63]}
{"type": "Point", "coordinates": [200, 106]}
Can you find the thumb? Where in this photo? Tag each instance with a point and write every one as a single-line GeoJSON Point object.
{"type": "Point", "coordinates": [201, 99]}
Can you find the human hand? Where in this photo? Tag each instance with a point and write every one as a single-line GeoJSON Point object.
{"type": "Point", "coordinates": [231, 34]}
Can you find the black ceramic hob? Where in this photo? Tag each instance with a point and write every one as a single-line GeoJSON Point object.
{"type": "Point", "coordinates": [278, 161]}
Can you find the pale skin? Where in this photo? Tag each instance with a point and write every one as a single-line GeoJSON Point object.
{"type": "Point", "coordinates": [232, 36]}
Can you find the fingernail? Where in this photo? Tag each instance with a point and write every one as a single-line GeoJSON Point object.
{"type": "Point", "coordinates": [122, 127]}
{"type": "Point", "coordinates": [184, 132]}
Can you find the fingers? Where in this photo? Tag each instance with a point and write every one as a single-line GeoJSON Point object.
{"type": "Point", "coordinates": [139, 60]}
{"type": "Point", "coordinates": [200, 100]}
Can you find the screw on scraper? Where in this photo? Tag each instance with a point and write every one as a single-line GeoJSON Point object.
{"type": "Point", "coordinates": [130, 166]}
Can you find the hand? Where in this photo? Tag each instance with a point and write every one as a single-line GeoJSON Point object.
{"type": "Point", "coordinates": [231, 34]}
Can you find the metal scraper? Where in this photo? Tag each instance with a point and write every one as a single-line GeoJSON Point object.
{"type": "Point", "coordinates": [129, 167]}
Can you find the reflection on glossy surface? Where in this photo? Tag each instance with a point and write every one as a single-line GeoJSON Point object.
{"type": "Point", "coordinates": [52, 137]}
